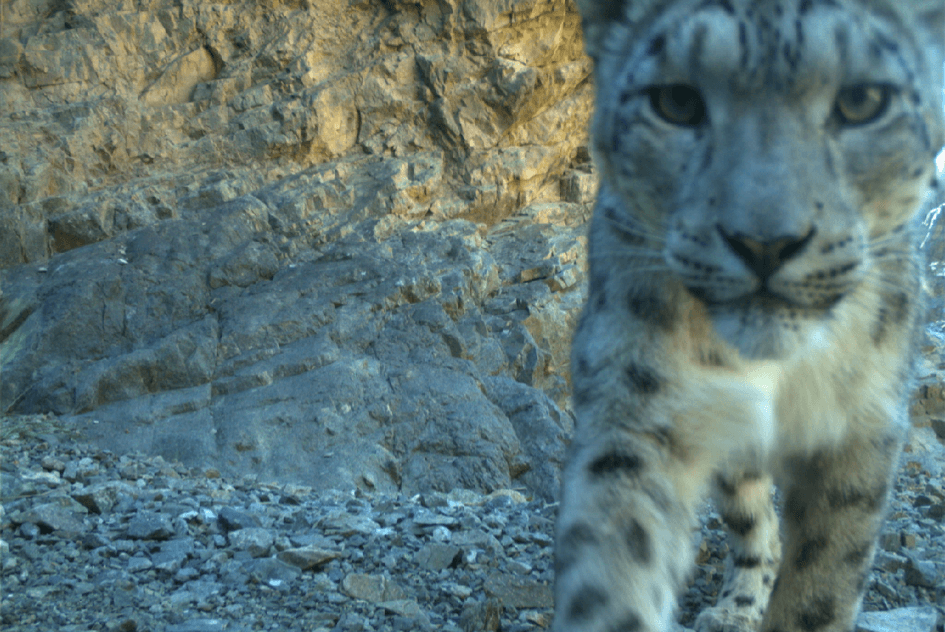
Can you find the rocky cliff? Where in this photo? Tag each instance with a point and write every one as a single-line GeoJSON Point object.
{"type": "Point", "coordinates": [337, 242]}
{"type": "Point", "coordinates": [333, 242]}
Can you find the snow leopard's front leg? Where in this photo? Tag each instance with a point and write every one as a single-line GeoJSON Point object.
{"type": "Point", "coordinates": [622, 546]}
{"type": "Point", "coordinates": [833, 511]}
{"type": "Point", "coordinates": [623, 538]}
{"type": "Point", "coordinates": [747, 507]}
{"type": "Point", "coordinates": [651, 427]}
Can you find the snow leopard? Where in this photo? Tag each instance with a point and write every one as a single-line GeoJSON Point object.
{"type": "Point", "coordinates": [754, 303]}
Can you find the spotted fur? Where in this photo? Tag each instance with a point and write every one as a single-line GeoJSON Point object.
{"type": "Point", "coordinates": [754, 300]}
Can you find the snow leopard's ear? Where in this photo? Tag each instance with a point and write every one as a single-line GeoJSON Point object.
{"type": "Point", "coordinates": [932, 14]}
{"type": "Point", "coordinates": [602, 18]}
{"type": "Point", "coordinates": [927, 19]}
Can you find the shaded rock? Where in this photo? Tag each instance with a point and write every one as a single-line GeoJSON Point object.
{"type": "Point", "coordinates": [346, 524]}
{"type": "Point", "coordinates": [900, 620]}
{"type": "Point", "coordinates": [518, 592]}
{"type": "Point", "coordinates": [483, 616]}
{"type": "Point", "coordinates": [198, 625]}
{"type": "Point", "coordinates": [254, 540]}
{"type": "Point", "coordinates": [62, 514]}
{"type": "Point", "coordinates": [403, 607]}
{"type": "Point", "coordinates": [407, 348]}
{"type": "Point", "coordinates": [148, 525]}
{"type": "Point", "coordinates": [167, 561]}
{"type": "Point", "coordinates": [924, 573]}
{"type": "Point", "coordinates": [436, 557]}
{"type": "Point", "coordinates": [373, 588]}
{"type": "Point", "coordinates": [179, 79]}
{"type": "Point", "coordinates": [274, 573]}
{"type": "Point", "coordinates": [307, 557]}
{"type": "Point", "coordinates": [938, 425]}
{"type": "Point", "coordinates": [232, 519]}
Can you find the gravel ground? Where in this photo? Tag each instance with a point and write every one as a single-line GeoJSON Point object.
{"type": "Point", "coordinates": [96, 541]}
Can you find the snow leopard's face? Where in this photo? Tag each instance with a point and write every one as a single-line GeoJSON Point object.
{"type": "Point", "coordinates": [775, 157]}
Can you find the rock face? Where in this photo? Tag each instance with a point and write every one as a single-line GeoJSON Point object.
{"type": "Point", "coordinates": [332, 242]}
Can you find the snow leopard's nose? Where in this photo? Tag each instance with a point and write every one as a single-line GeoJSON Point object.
{"type": "Point", "coordinates": [765, 257]}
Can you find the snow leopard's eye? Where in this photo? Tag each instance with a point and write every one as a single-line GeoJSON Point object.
{"type": "Point", "coordinates": [862, 103]}
{"type": "Point", "coordinates": [678, 104]}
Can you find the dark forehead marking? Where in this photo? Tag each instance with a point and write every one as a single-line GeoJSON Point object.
{"type": "Point", "coordinates": [698, 45]}
{"type": "Point", "coordinates": [657, 44]}
{"type": "Point", "coordinates": [886, 45]}
{"type": "Point", "coordinates": [799, 32]}
{"type": "Point", "coordinates": [842, 41]}
{"type": "Point", "coordinates": [743, 43]}
{"type": "Point", "coordinates": [725, 5]}
{"type": "Point", "coordinates": [806, 6]}
{"type": "Point", "coordinates": [613, 11]}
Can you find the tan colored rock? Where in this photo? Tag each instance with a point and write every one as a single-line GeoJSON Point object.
{"type": "Point", "coordinates": [116, 94]}
{"type": "Point", "coordinates": [177, 82]}
{"type": "Point", "coordinates": [308, 557]}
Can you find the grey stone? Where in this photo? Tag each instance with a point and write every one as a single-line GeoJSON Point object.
{"type": "Point", "coordinates": [373, 588]}
{"type": "Point", "coordinates": [890, 561]}
{"type": "Point", "coordinates": [403, 607]}
{"type": "Point", "coordinates": [346, 524]}
{"type": "Point", "coordinates": [925, 573]}
{"type": "Point", "coordinates": [274, 573]}
{"type": "Point", "coordinates": [29, 531]}
{"type": "Point", "coordinates": [198, 625]}
{"type": "Point", "coordinates": [62, 514]}
{"type": "Point", "coordinates": [196, 591]}
{"type": "Point", "coordinates": [232, 519]}
{"type": "Point", "coordinates": [254, 540]}
{"type": "Point", "coordinates": [543, 430]}
{"type": "Point", "coordinates": [101, 497]}
{"type": "Point", "coordinates": [900, 620]}
{"type": "Point", "coordinates": [172, 555]}
{"type": "Point", "coordinates": [52, 464]}
{"type": "Point", "coordinates": [436, 557]}
{"type": "Point", "coordinates": [482, 616]}
{"type": "Point", "coordinates": [518, 592]}
{"type": "Point", "coordinates": [477, 539]}
{"type": "Point", "coordinates": [431, 518]}
{"type": "Point", "coordinates": [307, 557]}
{"type": "Point", "coordinates": [95, 540]}
{"type": "Point", "coordinates": [147, 525]}
{"type": "Point", "coordinates": [139, 563]}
